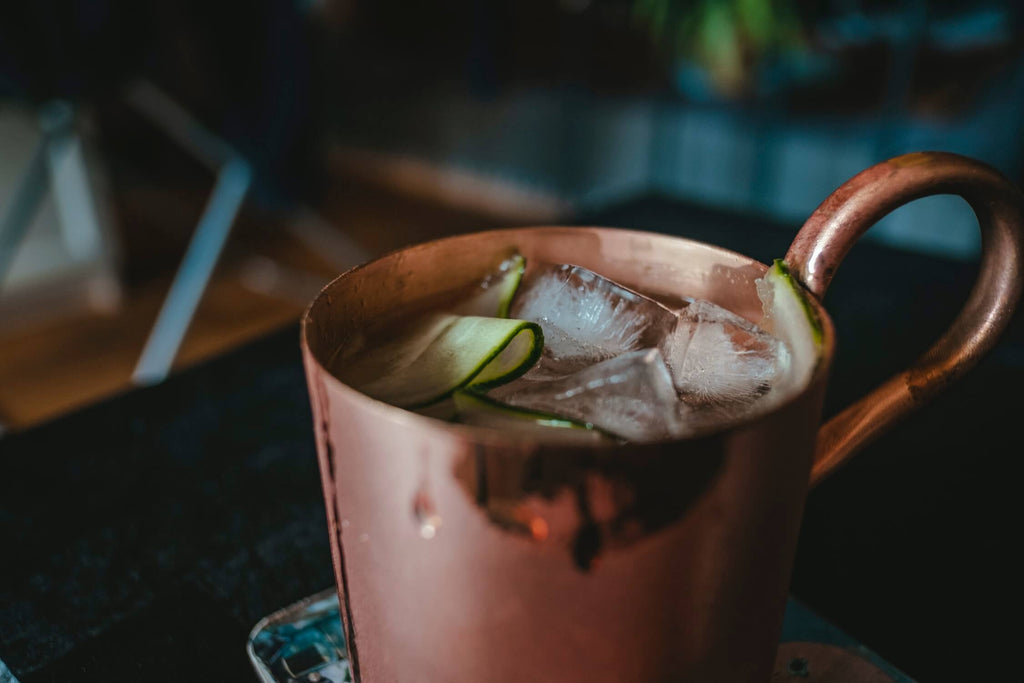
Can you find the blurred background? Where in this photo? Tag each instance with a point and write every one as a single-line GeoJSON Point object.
{"type": "Point", "coordinates": [179, 177]}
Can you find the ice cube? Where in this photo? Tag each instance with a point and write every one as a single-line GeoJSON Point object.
{"type": "Point", "coordinates": [587, 318]}
{"type": "Point", "coordinates": [630, 396]}
{"type": "Point", "coordinates": [718, 358]}
{"type": "Point", "coordinates": [713, 367]}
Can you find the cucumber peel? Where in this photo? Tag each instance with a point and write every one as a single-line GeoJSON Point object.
{"type": "Point", "coordinates": [445, 353]}
{"type": "Point", "coordinates": [789, 315]}
{"type": "Point", "coordinates": [496, 290]}
{"type": "Point", "coordinates": [793, 295]}
{"type": "Point", "coordinates": [474, 344]}
{"type": "Point", "coordinates": [474, 408]}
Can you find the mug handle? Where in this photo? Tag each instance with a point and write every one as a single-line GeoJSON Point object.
{"type": "Point", "coordinates": [847, 214]}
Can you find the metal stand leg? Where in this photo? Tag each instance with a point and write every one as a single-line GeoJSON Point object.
{"type": "Point", "coordinates": [5, 674]}
{"type": "Point", "coordinates": [234, 176]}
{"type": "Point", "coordinates": [193, 273]}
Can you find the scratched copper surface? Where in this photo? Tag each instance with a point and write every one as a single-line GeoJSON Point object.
{"type": "Point", "coordinates": [540, 560]}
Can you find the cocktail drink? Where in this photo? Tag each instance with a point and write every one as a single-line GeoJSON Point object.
{"type": "Point", "coordinates": [563, 353]}
{"type": "Point", "coordinates": [596, 471]}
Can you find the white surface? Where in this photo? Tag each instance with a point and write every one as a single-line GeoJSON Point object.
{"type": "Point", "coordinates": [58, 266]}
{"type": "Point", "coordinates": [43, 251]}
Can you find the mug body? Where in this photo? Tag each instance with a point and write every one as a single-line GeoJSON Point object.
{"type": "Point", "coordinates": [465, 554]}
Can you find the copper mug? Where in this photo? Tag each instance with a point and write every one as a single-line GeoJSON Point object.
{"type": "Point", "coordinates": [466, 555]}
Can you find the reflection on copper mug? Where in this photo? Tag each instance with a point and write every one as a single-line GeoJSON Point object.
{"type": "Point", "coordinates": [466, 555]}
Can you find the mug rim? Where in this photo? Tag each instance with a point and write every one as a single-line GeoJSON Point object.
{"type": "Point", "coordinates": [492, 435]}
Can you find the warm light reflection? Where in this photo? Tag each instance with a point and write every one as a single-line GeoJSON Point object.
{"type": "Point", "coordinates": [538, 529]}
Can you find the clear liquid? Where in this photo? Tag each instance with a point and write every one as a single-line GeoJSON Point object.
{"type": "Point", "coordinates": [613, 359]}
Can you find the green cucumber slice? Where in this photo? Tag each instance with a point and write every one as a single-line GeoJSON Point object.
{"type": "Point", "coordinates": [792, 296]}
{"type": "Point", "coordinates": [439, 410]}
{"type": "Point", "coordinates": [444, 353]}
{"type": "Point", "coordinates": [789, 315]}
{"type": "Point", "coordinates": [496, 290]}
{"type": "Point", "coordinates": [474, 408]}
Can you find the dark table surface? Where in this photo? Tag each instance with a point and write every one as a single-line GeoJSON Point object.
{"type": "Point", "coordinates": [141, 538]}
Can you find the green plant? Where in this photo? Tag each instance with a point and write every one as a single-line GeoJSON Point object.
{"type": "Point", "coordinates": [727, 37]}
